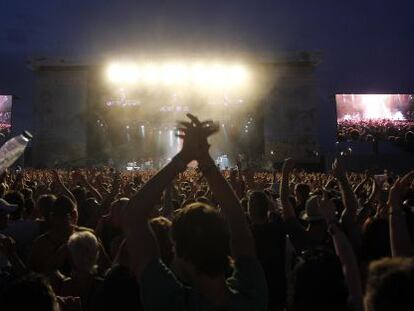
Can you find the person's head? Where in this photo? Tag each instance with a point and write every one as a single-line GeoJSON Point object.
{"type": "Point", "coordinates": [201, 240]}
{"type": "Point", "coordinates": [258, 207]}
{"type": "Point", "coordinates": [317, 228]}
{"type": "Point", "coordinates": [409, 137]}
{"type": "Point", "coordinates": [302, 193]}
{"type": "Point", "coordinates": [162, 229]}
{"type": "Point", "coordinates": [45, 205]}
{"type": "Point", "coordinates": [14, 197]}
{"type": "Point", "coordinates": [390, 285]}
{"type": "Point", "coordinates": [354, 134]}
{"type": "Point", "coordinates": [203, 200]}
{"type": "Point", "coordinates": [84, 249]}
{"type": "Point", "coordinates": [31, 292]}
{"type": "Point", "coordinates": [318, 283]}
{"type": "Point", "coordinates": [199, 194]}
{"type": "Point", "coordinates": [64, 213]}
{"type": "Point", "coordinates": [311, 213]}
{"type": "Point", "coordinates": [369, 138]}
{"type": "Point", "coordinates": [80, 194]}
{"type": "Point", "coordinates": [3, 189]}
{"type": "Point", "coordinates": [88, 213]}
{"type": "Point", "coordinates": [27, 193]}
{"type": "Point", "coordinates": [5, 210]}
{"type": "Point", "coordinates": [116, 211]}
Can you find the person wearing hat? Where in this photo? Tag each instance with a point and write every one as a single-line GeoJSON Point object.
{"type": "Point", "coordinates": [314, 233]}
{"type": "Point", "coordinates": [316, 230]}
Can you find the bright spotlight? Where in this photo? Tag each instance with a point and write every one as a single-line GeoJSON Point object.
{"type": "Point", "coordinates": [237, 74]}
{"type": "Point", "coordinates": [151, 74]}
{"type": "Point", "coordinates": [215, 75]}
{"type": "Point", "coordinates": [375, 106]}
{"type": "Point", "coordinates": [218, 75]}
{"type": "Point", "coordinates": [174, 74]}
{"type": "Point", "coordinates": [126, 73]}
{"type": "Point", "coordinates": [199, 74]}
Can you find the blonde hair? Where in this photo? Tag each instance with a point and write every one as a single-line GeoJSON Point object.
{"type": "Point", "coordinates": [84, 249]}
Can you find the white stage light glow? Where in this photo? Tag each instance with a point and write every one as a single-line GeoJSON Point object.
{"type": "Point", "coordinates": [126, 73]}
{"type": "Point", "coordinates": [201, 75]}
{"type": "Point", "coordinates": [238, 74]}
{"type": "Point", "coordinates": [151, 74]}
{"type": "Point", "coordinates": [375, 106]}
{"type": "Point", "coordinates": [174, 74]}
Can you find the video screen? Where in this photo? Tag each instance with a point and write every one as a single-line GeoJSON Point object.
{"type": "Point", "coordinates": [369, 117]}
{"type": "Point", "coordinates": [5, 113]}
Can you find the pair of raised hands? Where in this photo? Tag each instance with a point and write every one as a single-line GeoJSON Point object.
{"type": "Point", "coordinates": [195, 134]}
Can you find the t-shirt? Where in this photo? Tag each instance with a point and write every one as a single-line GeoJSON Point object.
{"type": "Point", "coordinates": [120, 290]}
{"type": "Point", "coordinates": [23, 232]}
{"type": "Point", "coordinates": [160, 290]}
{"type": "Point", "coordinates": [270, 241]}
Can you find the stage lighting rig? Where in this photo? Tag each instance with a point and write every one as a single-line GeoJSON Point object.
{"type": "Point", "coordinates": [197, 75]}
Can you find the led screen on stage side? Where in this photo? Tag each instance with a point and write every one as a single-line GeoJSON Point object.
{"type": "Point", "coordinates": [5, 113]}
{"type": "Point", "coordinates": [371, 117]}
{"type": "Point", "coordinates": [359, 107]}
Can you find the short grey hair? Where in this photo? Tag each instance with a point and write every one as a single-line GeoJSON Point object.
{"type": "Point", "coordinates": [84, 250]}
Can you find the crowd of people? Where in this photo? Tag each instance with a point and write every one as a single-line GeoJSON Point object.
{"type": "Point", "coordinates": [400, 132]}
{"type": "Point", "coordinates": [203, 239]}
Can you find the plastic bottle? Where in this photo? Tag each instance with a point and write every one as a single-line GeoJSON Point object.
{"type": "Point", "coordinates": [13, 149]}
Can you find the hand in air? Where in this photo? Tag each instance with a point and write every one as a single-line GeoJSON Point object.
{"type": "Point", "coordinates": [399, 190]}
{"type": "Point", "coordinates": [195, 134]}
{"type": "Point", "coordinates": [338, 170]}
{"type": "Point", "coordinates": [327, 208]}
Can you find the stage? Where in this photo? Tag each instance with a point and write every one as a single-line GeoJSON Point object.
{"type": "Point", "coordinates": [89, 117]}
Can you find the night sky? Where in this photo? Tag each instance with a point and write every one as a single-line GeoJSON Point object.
{"type": "Point", "coordinates": [367, 45]}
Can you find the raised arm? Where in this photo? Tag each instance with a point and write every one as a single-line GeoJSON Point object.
{"type": "Point", "coordinates": [348, 197]}
{"type": "Point", "coordinates": [349, 215]}
{"type": "Point", "coordinates": [344, 251]}
{"type": "Point", "coordinates": [141, 242]}
{"type": "Point", "coordinates": [400, 241]}
{"type": "Point", "coordinates": [59, 182]}
{"type": "Point", "coordinates": [287, 208]}
{"type": "Point", "coordinates": [360, 186]}
{"type": "Point", "coordinates": [168, 208]}
{"type": "Point", "coordinates": [242, 243]}
{"type": "Point", "coordinates": [375, 191]}
{"type": "Point", "coordinates": [86, 181]}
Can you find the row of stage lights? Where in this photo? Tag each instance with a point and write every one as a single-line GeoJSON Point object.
{"type": "Point", "coordinates": [211, 74]}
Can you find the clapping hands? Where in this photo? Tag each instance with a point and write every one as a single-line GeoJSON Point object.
{"type": "Point", "coordinates": [195, 134]}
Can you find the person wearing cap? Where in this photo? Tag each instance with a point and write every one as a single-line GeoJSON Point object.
{"type": "Point", "coordinates": [315, 233]}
